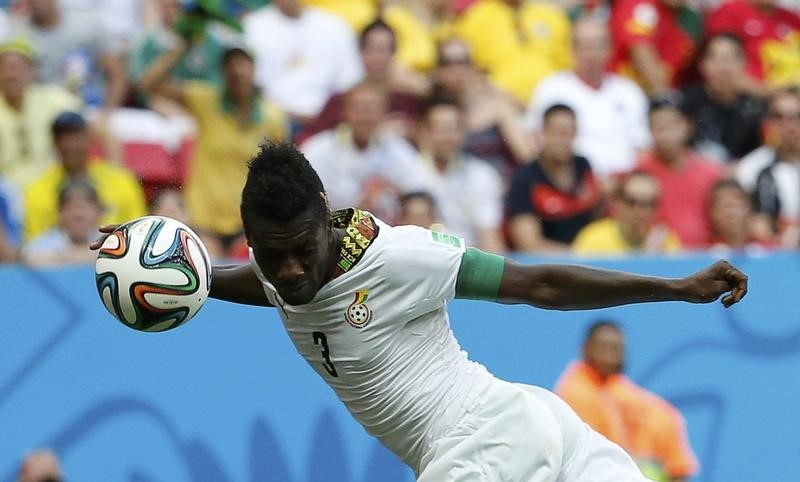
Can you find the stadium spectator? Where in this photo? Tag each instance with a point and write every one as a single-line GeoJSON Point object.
{"type": "Point", "coordinates": [359, 163]}
{"type": "Point", "coordinates": [418, 208]}
{"type": "Point", "coordinates": [40, 466]}
{"type": "Point", "coordinates": [611, 109]}
{"type": "Point", "coordinates": [303, 55]}
{"type": "Point", "coordinates": [199, 63]}
{"type": "Point", "coordinates": [495, 132]}
{"type": "Point", "coordinates": [685, 176]}
{"type": "Point", "coordinates": [377, 48]}
{"type": "Point", "coordinates": [420, 26]}
{"type": "Point", "coordinates": [632, 226]}
{"type": "Point", "coordinates": [771, 36]}
{"type": "Point", "coordinates": [518, 42]}
{"type": "Point", "coordinates": [79, 212]}
{"type": "Point", "coordinates": [654, 41]}
{"type": "Point", "coordinates": [555, 197]}
{"type": "Point", "coordinates": [468, 191]}
{"type": "Point", "coordinates": [781, 139]}
{"type": "Point", "coordinates": [27, 110]}
{"type": "Point", "coordinates": [10, 222]}
{"type": "Point", "coordinates": [730, 210]}
{"type": "Point", "coordinates": [231, 121]}
{"type": "Point", "coordinates": [647, 426]}
{"type": "Point", "coordinates": [169, 202]}
{"type": "Point", "coordinates": [76, 50]}
{"type": "Point", "coordinates": [777, 185]}
{"type": "Point", "coordinates": [119, 192]}
{"type": "Point", "coordinates": [725, 117]}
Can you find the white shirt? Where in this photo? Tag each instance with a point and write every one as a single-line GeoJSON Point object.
{"type": "Point", "coordinates": [384, 328]}
{"type": "Point", "coordinates": [751, 166]}
{"type": "Point", "coordinates": [612, 120]}
{"type": "Point", "coordinates": [389, 164]}
{"type": "Point", "coordinates": [301, 62]}
{"type": "Point", "coordinates": [469, 196]}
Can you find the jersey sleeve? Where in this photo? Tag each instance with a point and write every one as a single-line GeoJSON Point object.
{"type": "Point", "coordinates": [424, 264]}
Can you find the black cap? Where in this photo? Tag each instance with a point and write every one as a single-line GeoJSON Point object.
{"type": "Point", "coordinates": [68, 122]}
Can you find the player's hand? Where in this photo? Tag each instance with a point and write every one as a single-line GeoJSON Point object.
{"type": "Point", "coordinates": [714, 281]}
{"type": "Point", "coordinates": [105, 230]}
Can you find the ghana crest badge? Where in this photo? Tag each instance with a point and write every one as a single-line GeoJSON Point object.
{"type": "Point", "coordinates": [358, 313]}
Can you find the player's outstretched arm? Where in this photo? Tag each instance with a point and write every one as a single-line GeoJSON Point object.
{"type": "Point", "coordinates": [567, 287]}
{"type": "Point", "coordinates": [238, 284]}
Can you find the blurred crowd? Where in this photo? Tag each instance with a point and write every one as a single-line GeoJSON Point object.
{"type": "Point", "coordinates": [601, 127]}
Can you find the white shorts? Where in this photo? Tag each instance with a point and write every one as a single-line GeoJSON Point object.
{"type": "Point", "coordinates": [521, 433]}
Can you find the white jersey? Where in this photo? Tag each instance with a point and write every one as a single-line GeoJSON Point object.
{"type": "Point", "coordinates": [379, 334]}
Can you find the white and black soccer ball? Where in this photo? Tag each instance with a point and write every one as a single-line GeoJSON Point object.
{"type": "Point", "coordinates": [153, 273]}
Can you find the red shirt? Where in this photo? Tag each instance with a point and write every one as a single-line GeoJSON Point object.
{"type": "Point", "coordinates": [684, 196]}
{"type": "Point", "coordinates": [648, 21]}
{"type": "Point", "coordinates": [771, 38]}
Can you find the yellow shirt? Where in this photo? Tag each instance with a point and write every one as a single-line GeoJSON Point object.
{"type": "Point", "coordinates": [26, 144]}
{"type": "Point", "coordinates": [604, 237]}
{"type": "Point", "coordinates": [218, 169]}
{"type": "Point", "coordinates": [357, 13]}
{"type": "Point", "coordinates": [119, 192]}
{"type": "Point", "coordinates": [416, 42]}
{"type": "Point", "coordinates": [517, 47]}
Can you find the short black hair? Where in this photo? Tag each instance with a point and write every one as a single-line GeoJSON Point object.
{"type": "Point", "coordinates": [599, 325]}
{"type": "Point", "coordinates": [78, 185]}
{"type": "Point", "coordinates": [664, 102]}
{"type": "Point", "coordinates": [377, 24]}
{"type": "Point", "coordinates": [555, 109]}
{"type": "Point", "coordinates": [281, 185]}
{"type": "Point", "coordinates": [439, 100]}
{"type": "Point", "coordinates": [423, 195]}
{"type": "Point", "coordinates": [729, 36]}
{"type": "Point", "coordinates": [233, 52]}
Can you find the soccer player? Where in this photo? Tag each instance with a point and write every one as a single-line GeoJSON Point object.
{"type": "Point", "coordinates": [366, 305]}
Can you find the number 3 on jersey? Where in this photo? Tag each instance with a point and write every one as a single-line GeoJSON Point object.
{"type": "Point", "coordinates": [322, 342]}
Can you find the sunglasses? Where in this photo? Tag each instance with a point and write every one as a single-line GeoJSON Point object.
{"type": "Point", "coordinates": [445, 61]}
{"type": "Point", "coordinates": [647, 203]}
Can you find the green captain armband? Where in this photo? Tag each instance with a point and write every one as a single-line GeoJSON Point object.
{"type": "Point", "coordinates": [479, 275]}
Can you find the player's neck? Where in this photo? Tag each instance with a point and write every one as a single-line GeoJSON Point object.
{"type": "Point", "coordinates": [334, 250]}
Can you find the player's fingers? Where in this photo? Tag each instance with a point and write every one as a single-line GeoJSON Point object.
{"type": "Point", "coordinates": [728, 301]}
{"type": "Point", "coordinates": [108, 228]}
{"type": "Point", "coordinates": [97, 243]}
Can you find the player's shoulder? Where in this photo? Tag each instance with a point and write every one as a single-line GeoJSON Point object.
{"type": "Point", "coordinates": [403, 246]}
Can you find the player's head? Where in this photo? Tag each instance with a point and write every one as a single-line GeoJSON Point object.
{"type": "Point", "coordinates": [604, 348]}
{"type": "Point", "coordinates": [287, 222]}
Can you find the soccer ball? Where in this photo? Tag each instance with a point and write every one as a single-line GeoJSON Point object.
{"type": "Point", "coordinates": [153, 273]}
